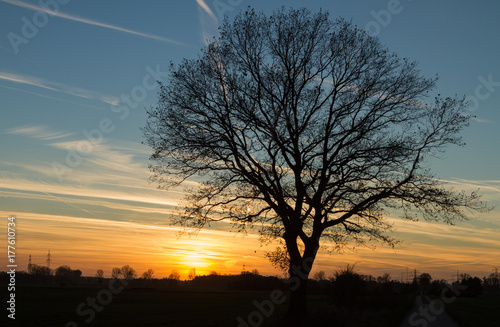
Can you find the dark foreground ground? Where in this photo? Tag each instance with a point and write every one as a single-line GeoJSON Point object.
{"type": "Point", "coordinates": [62, 306]}
{"type": "Point", "coordinates": [78, 306]}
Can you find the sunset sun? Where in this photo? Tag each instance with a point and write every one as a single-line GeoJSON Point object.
{"type": "Point", "coordinates": [195, 260]}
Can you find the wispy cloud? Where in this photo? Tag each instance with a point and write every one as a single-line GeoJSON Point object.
{"type": "Point", "coordinates": [49, 97]}
{"type": "Point", "coordinates": [38, 132]}
{"type": "Point", "coordinates": [208, 21]}
{"type": "Point", "coordinates": [58, 87]}
{"type": "Point", "coordinates": [139, 198]}
{"type": "Point", "coordinates": [105, 156]}
{"type": "Point", "coordinates": [206, 8]}
{"type": "Point", "coordinates": [481, 120]}
{"type": "Point", "coordinates": [90, 21]}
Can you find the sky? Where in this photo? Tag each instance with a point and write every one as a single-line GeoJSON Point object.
{"type": "Point", "coordinates": [76, 78]}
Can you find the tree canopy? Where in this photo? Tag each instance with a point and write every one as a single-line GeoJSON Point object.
{"type": "Point", "coordinates": [309, 128]}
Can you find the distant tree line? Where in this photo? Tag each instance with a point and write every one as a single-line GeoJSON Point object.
{"type": "Point", "coordinates": [346, 284]}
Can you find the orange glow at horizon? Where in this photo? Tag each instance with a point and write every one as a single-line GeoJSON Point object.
{"type": "Point", "coordinates": [89, 244]}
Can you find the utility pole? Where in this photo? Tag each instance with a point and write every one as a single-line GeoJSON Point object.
{"type": "Point", "coordinates": [48, 260]}
{"type": "Point", "coordinates": [29, 266]}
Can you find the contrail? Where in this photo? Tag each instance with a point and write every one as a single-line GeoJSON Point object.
{"type": "Point", "coordinates": [58, 87]}
{"type": "Point", "coordinates": [89, 21]}
{"type": "Point", "coordinates": [207, 9]}
{"type": "Point", "coordinates": [70, 204]}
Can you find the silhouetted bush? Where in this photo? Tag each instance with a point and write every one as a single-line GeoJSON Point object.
{"type": "Point", "coordinates": [492, 282]}
{"type": "Point", "coordinates": [474, 287]}
{"type": "Point", "coordinates": [65, 275]}
{"type": "Point", "coordinates": [347, 286]}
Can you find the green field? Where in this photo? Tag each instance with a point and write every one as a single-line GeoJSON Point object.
{"type": "Point", "coordinates": [481, 311]}
{"type": "Point", "coordinates": [57, 306]}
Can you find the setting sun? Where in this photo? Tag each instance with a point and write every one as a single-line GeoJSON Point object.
{"type": "Point", "coordinates": [195, 260]}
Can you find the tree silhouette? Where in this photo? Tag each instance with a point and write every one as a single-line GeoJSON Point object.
{"type": "Point", "coordinates": [40, 270]}
{"type": "Point", "coordinates": [192, 273]}
{"type": "Point", "coordinates": [116, 273]}
{"type": "Point", "coordinates": [174, 275]}
{"type": "Point", "coordinates": [128, 272]}
{"type": "Point", "coordinates": [63, 272]}
{"type": "Point", "coordinates": [424, 279]}
{"type": "Point", "coordinates": [148, 274]}
{"type": "Point", "coordinates": [384, 279]}
{"type": "Point", "coordinates": [310, 128]}
{"type": "Point", "coordinates": [347, 285]}
{"type": "Point", "coordinates": [99, 273]}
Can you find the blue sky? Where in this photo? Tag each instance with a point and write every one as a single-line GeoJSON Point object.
{"type": "Point", "coordinates": [75, 82]}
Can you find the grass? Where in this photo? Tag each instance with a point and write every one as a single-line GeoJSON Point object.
{"type": "Point", "coordinates": [372, 311]}
{"type": "Point", "coordinates": [57, 306]}
{"type": "Point", "coordinates": [481, 311]}
{"type": "Point", "coordinates": [54, 306]}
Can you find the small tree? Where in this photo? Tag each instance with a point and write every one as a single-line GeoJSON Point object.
{"type": "Point", "coordinates": [424, 281]}
{"type": "Point", "coordinates": [116, 273]}
{"type": "Point", "coordinates": [128, 272]}
{"type": "Point", "coordinates": [347, 285]}
{"type": "Point", "coordinates": [384, 279]}
{"type": "Point", "coordinates": [63, 272]}
{"type": "Point", "coordinates": [76, 273]}
{"type": "Point", "coordinates": [473, 287]}
{"type": "Point", "coordinates": [175, 275]}
{"type": "Point", "coordinates": [38, 270]}
{"type": "Point", "coordinates": [192, 274]}
{"type": "Point", "coordinates": [148, 274]}
{"type": "Point", "coordinates": [99, 273]}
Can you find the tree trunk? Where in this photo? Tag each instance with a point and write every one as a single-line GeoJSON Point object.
{"type": "Point", "coordinates": [297, 310]}
{"type": "Point", "coordinates": [300, 267]}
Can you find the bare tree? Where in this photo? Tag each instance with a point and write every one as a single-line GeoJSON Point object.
{"type": "Point", "coordinates": [174, 275]}
{"type": "Point", "coordinates": [148, 274]}
{"type": "Point", "coordinates": [116, 273]}
{"type": "Point", "coordinates": [128, 272]}
{"type": "Point", "coordinates": [40, 270]}
{"type": "Point", "coordinates": [99, 273]}
{"type": "Point", "coordinates": [384, 279]}
{"type": "Point", "coordinates": [192, 273]}
{"type": "Point", "coordinates": [308, 127]}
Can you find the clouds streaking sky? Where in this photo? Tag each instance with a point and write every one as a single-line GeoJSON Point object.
{"type": "Point", "coordinates": [63, 95]}
{"type": "Point", "coordinates": [88, 21]}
